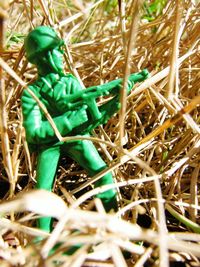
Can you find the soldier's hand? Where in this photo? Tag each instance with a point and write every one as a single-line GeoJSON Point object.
{"type": "Point", "coordinates": [78, 117]}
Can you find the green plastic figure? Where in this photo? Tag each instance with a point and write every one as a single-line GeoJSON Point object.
{"type": "Point", "coordinates": [74, 111]}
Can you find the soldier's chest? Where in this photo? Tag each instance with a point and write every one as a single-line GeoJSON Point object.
{"type": "Point", "coordinates": [47, 101]}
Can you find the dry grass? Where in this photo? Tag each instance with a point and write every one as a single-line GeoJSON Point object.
{"type": "Point", "coordinates": [156, 169]}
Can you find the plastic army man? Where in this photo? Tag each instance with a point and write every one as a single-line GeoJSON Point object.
{"type": "Point", "coordinates": [73, 110]}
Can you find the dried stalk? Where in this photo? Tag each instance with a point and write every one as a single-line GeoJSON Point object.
{"type": "Point", "coordinates": [123, 93]}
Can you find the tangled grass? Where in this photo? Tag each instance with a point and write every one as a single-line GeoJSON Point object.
{"type": "Point", "coordinates": [152, 145]}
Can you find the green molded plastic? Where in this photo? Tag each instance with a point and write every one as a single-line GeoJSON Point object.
{"type": "Point", "coordinates": [74, 111]}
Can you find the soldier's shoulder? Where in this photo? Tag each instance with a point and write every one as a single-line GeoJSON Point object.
{"type": "Point", "coordinates": [71, 80]}
{"type": "Point", "coordinates": [34, 87]}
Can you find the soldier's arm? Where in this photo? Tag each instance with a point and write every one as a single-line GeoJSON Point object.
{"type": "Point", "coordinates": [38, 128]}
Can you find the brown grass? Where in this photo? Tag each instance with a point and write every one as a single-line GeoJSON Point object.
{"type": "Point", "coordinates": [152, 145]}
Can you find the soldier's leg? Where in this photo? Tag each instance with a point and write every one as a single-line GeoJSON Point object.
{"type": "Point", "coordinates": [86, 154]}
{"type": "Point", "coordinates": [47, 162]}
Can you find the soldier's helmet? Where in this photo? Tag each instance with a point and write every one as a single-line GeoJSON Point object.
{"type": "Point", "coordinates": [40, 40]}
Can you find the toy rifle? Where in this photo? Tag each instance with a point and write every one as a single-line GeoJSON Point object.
{"type": "Point", "coordinates": [100, 114]}
{"type": "Point", "coordinates": [88, 96]}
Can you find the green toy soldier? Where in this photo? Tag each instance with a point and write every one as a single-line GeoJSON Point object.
{"type": "Point", "coordinates": [74, 111]}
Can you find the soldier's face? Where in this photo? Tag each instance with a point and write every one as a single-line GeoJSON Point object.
{"type": "Point", "coordinates": [57, 57]}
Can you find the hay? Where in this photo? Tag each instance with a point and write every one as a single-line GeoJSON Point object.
{"type": "Point", "coordinates": [152, 145]}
